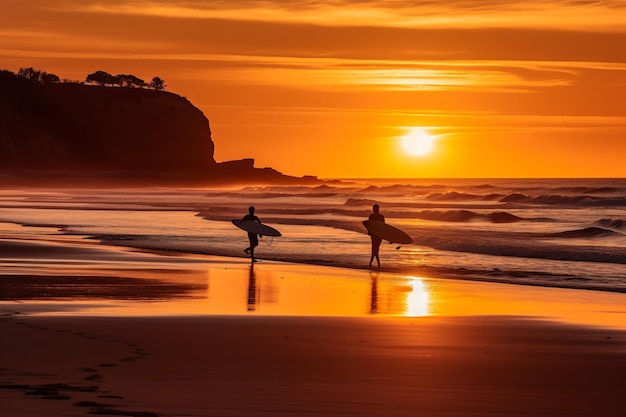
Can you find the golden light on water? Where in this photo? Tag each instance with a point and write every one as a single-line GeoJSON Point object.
{"type": "Point", "coordinates": [417, 299]}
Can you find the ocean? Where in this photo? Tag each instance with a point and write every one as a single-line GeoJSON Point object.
{"type": "Point", "coordinates": [568, 233]}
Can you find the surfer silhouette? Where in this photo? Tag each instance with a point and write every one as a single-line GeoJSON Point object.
{"type": "Point", "coordinates": [252, 237]}
{"type": "Point", "coordinates": [376, 241]}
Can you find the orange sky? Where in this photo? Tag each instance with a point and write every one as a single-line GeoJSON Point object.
{"type": "Point", "coordinates": [510, 89]}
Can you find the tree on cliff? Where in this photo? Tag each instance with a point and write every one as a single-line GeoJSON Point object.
{"type": "Point", "coordinates": [38, 76]}
{"type": "Point", "coordinates": [157, 84]}
{"type": "Point", "coordinates": [130, 80]}
{"type": "Point", "coordinates": [102, 78]}
{"type": "Point", "coordinates": [29, 73]}
{"type": "Point", "coordinates": [49, 78]}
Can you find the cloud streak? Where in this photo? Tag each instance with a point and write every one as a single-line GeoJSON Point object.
{"type": "Point", "coordinates": [589, 15]}
{"type": "Point", "coordinates": [316, 73]}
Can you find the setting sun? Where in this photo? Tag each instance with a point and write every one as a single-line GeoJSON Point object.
{"type": "Point", "coordinates": [418, 142]}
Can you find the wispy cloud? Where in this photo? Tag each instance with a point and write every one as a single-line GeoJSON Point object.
{"type": "Point", "coordinates": [562, 14]}
{"type": "Point", "coordinates": [376, 29]}
{"type": "Point", "coordinates": [341, 74]}
{"type": "Point", "coordinates": [316, 73]}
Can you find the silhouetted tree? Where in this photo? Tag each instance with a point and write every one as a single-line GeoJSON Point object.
{"type": "Point", "coordinates": [100, 77]}
{"type": "Point", "coordinates": [136, 82]}
{"type": "Point", "coordinates": [124, 80]}
{"type": "Point", "coordinates": [37, 76]}
{"type": "Point", "coordinates": [157, 84]}
{"type": "Point", "coordinates": [129, 80]}
{"type": "Point", "coordinates": [6, 74]}
{"type": "Point", "coordinates": [29, 73]}
{"type": "Point", "coordinates": [49, 78]}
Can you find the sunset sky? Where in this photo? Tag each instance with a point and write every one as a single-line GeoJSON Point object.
{"type": "Point", "coordinates": [506, 88]}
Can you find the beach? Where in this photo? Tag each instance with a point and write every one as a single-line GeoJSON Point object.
{"type": "Point", "coordinates": [312, 209]}
{"type": "Point", "coordinates": [161, 334]}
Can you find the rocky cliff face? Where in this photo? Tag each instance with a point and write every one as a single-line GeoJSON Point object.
{"type": "Point", "coordinates": [125, 134]}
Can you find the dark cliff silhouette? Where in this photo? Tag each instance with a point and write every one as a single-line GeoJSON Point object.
{"type": "Point", "coordinates": [64, 133]}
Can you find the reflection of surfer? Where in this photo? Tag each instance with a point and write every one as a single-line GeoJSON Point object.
{"type": "Point", "coordinates": [376, 241]}
{"type": "Point", "coordinates": [251, 289]}
{"type": "Point", "coordinates": [374, 293]}
{"type": "Point", "coordinates": [252, 237]}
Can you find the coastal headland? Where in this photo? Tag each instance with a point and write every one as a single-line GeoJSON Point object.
{"type": "Point", "coordinates": [73, 134]}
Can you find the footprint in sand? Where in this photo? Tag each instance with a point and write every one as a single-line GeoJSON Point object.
{"type": "Point", "coordinates": [61, 391]}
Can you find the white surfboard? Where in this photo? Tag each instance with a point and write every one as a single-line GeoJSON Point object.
{"type": "Point", "coordinates": [387, 232]}
{"type": "Point", "coordinates": [251, 226]}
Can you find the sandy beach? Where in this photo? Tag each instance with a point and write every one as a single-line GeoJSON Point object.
{"type": "Point", "coordinates": [90, 329]}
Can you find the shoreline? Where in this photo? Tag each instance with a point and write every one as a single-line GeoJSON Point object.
{"type": "Point", "coordinates": [510, 277]}
{"type": "Point", "coordinates": [118, 280]}
{"type": "Point", "coordinates": [473, 248]}
{"type": "Point", "coordinates": [493, 275]}
{"type": "Point", "coordinates": [155, 335]}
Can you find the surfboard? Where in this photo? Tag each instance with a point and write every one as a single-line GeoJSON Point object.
{"type": "Point", "coordinates": [256, 227]}
{"type": "Point", "coordinates": [387, 232]}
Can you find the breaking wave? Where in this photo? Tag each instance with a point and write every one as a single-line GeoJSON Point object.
{"type": "Point", "coordinates": [588, 232]}
{"type": "Point", "coordinates": [579, 200]}
{"type": "Point", "coordinates": [612, 223]}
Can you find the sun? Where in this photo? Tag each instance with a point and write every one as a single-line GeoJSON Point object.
{"type": "Point", "coordinates": [418, 142]}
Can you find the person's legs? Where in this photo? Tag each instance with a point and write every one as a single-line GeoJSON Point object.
{"type": "Point", "coordinates": [375, 249]}
{"type": "Point", "coordinates": [254, 242]}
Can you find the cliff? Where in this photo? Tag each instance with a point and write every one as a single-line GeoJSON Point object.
{"type": "Point", "coordinates": [67, 133]}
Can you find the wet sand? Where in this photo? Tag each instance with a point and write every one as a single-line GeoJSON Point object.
{"type": "Point", "coordinates": [193, 336]}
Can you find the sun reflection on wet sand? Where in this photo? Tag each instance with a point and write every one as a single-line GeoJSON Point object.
{"type": "Point", "coordinates": [230, 286]}
{"type": "Point", "coordinates": [398, 295]}
{"type": "Point", "coordinates": [417, 298]}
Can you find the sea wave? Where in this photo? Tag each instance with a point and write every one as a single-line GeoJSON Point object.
{"type": "Point", "coordinates": [457, 196]}
{"type": "Point", "coordinates": [467, 216]}
{"type": "Point", "coordinates": [363, 202]}
{"type": "Point", "coordinates": [276, 215]}
{"type": "Point", "coordinates": [592, 190]}
{"type": "Point", "coordinates": [498, 248]}
{"type": "Point", "coordinates": [618, 224]}
{"type": "Point", "coordinates": [556, 199]}
{"type": "Point", "coordinates": [588, 232]}
{"type": "Point", "coordinates": [401, 189]}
